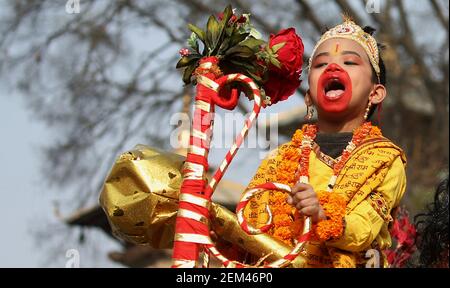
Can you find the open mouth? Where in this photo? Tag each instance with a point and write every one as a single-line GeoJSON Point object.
{"type": "Point", "coordinates": [334, 88]}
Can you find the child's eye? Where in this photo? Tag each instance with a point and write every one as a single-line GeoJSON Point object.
{"type": "Point", "coordinates": [350, 63]}
{"type": "Point", "coordinates": [320, 65]}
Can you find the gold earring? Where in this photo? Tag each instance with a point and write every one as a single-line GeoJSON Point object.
{"type": "Point", "coordinates": [309, 112]}
{"type": "Point", "coordinates": [366, 115]}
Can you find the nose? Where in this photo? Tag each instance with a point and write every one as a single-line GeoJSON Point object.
{"type": "Point", "coordinates": [333, 67]}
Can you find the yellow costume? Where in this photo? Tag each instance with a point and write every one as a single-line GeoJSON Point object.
{"type": "Point", "coordinates": [368, 182]}
{"type": "Point", "coordinates": [372, 181]}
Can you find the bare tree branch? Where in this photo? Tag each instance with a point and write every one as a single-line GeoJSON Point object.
{"type": "Point", "coordinates": [438, 11]}
{"type": "Point", "coordinates": [310, 15]}
{"type": "Point", "coordinates": [408, 43]}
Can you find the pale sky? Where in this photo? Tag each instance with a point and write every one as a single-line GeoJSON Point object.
{"type": "Point", "coordinates": [27, 202]}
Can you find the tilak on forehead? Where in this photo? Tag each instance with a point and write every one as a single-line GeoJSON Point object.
{"type": "Point", "coordinates": [336, 49]}
{"type": "Point", "coordinates": [349, 30]}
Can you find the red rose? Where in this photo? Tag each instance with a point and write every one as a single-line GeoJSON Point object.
{"type": "Point", "coordinates": [283, 81]}
{"type": "Point", "coordinates": [279, 87]}
{"type": "Point", "coordinates": [291, 54]}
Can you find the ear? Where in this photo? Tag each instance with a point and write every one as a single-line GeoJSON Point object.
{"type": "Point", "coordinates": [378, 94]}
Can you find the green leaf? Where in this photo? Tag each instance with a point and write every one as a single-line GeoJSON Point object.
{"type": "Point", "coordinates": [217, 42]}
{"type": "Point", "coordinates": [255, 33]}
{"type": "Point", "coordinates": [224, 46]}
{"type": "Point", "coordinates": [212, 34]}
{"type": "Point", "coordinates": [277, 47]}
{"type": "Point", "coordinates": [199, 32]}
{"type": "Point", "coordinates": [275, 62]}
{"type": "Point", "coordinates": [269, 53]}
{"type": "Point", "coordinates": [243, 30]}
{"type": "Point", "coordinates": [242, 63]}
{"type": "Point", "coordinates": [253, 43]}
{"type": "Point", "coordinates": [187, 60]}
{"type": "Point", "coordinates": [263, 55]}
{"type": "Point", "coordinates": [188, 74]}
{"type": "Point", "coordinates": [227, 13]}
{"type": "Point", "coordinates": [255, 77]}
{"type": "Point", "coordinates": [240, 51]}
{"type": "Point", "coordinates": [229, 31]}
{"type": "Point", "coordinates": [193, 43]}
{"type": "Point", "coordinates": [237, 38]}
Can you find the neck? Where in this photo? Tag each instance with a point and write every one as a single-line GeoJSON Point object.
{"type": "Point", "coordinates": [326, 126]}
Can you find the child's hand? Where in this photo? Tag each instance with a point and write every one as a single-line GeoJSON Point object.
{"type": "Point", "coordinates": [304, 198]}
{"type": "Point", "coordinates": [213, 236]}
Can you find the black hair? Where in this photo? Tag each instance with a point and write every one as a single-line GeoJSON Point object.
{"type": "Point", "coordinates": [382, 78]}
{"type": "Point", "coordinates": [432, 230]}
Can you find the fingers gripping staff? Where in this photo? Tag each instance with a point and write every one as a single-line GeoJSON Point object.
{"type": "Point", "coordinates": [301, 240]}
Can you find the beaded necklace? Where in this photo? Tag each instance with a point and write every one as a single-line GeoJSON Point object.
{"type": "Point", "coordinates": [307, 144]}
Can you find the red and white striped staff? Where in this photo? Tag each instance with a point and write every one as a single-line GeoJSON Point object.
{"type": "Point", "coordinates": [192, 227]}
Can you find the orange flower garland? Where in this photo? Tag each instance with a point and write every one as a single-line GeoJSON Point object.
{"type": "Point", "coordinates": [334, 205]}
{"type": "Point", "coordinates": [287, 221]}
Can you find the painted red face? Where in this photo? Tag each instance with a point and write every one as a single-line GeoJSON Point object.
{"type": "Point", "coordinates": [334, 89]}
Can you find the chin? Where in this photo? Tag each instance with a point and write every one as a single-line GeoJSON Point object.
{"type": "Point", "coordinates": [333, 116]}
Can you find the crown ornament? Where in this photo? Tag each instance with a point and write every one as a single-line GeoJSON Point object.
{"type": "Point", "coordinates": [350, 30]}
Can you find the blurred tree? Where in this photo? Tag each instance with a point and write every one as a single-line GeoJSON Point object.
{"type": "Point", "coordinates": [104, 79]}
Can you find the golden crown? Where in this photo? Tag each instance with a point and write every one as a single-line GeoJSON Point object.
{"type": "Point", "coordinates": [350, 30]}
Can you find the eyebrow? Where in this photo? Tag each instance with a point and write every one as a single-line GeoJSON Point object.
{"type": "Point", "coordinates": [322, 54]}
{"type": "Point", "coordinates": [351, 52]}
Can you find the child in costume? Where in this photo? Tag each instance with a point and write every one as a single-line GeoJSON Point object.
{"type": "Point", "coordinates": [345, 175]}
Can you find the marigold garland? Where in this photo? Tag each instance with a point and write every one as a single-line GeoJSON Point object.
{"type": "Point", "coordinates": [334, 206]}
{"type": "Point", "coordinates": [294, 164]}
{"type": "Point", "coordinates": [288, 222]}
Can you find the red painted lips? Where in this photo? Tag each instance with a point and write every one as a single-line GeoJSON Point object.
{"type": "Point", "coordinates": [334, 90]}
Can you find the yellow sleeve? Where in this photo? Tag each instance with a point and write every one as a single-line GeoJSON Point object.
{"type": "Point", "coordinates": [364, 222]}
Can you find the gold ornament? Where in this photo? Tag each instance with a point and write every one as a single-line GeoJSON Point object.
{"type": "Point", "coordinates": [140, 199]}
{"type": "Point", "coordinates": [350, 30]}
{"type": "Point", "coordinates": [366, 115]}
{"type": "Point", "coordinates": [309, 112]}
